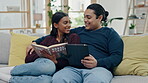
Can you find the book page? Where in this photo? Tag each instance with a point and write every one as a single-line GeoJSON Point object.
{"type": "Point", "coordinates": [57, 49]}
{"type": "Point", "coordinates": [39, 48]}
{"type": "Point", "coordinates": [56, 45]}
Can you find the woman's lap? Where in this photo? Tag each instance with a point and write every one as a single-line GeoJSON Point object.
{"type": "Point", "coordinates": [41, 66]}
{"type": "Point", "coordinates": [39, 71]}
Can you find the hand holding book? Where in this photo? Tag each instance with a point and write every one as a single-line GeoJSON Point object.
{"type": "Point", "coordinates": [47, 55]}
{"type": "Point", "coordinates": [30, 48]}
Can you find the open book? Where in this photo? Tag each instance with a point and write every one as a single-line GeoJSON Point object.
{"type": "Point", "coordinates": [72, 52]}
{"type": "Point", "coordinates": [56, 49]}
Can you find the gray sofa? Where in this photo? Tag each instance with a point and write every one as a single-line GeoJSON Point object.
{"type": "Point", "coordinates": [5, 41]}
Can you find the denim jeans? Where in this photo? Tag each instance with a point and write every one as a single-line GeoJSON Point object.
{"type": "Point", "coordinates": [39, 71]}
{"type": "Point", "coordinates": [75, 75]}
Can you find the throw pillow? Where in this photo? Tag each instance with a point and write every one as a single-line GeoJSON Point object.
{"type": "Point", "coordinates": [19, 42]}
{"type": "Point", "coordinates": [135, 60]}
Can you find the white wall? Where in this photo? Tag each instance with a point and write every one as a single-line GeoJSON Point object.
{"type": "Point", "coordinates": [116, 8]}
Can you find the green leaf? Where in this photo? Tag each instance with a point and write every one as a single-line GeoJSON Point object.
{"type": "Point", "coordinates": [50, 14]}
{"type": "Point", "coordinates": [104, 23]}
{"type": "Point", "coordinates": [132, 26]}
{"type": "Point", "coordinates": [53, 0]}
{"type": "Point", "coordinates": [49, 4]}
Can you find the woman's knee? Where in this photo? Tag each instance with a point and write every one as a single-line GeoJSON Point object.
{"type": "Point", "coordinates": [46, 66]}
{"type": "Point", "coordinates": [39, 67]}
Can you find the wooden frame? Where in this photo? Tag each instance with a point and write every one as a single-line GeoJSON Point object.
{"type": "Point", "coordinates": [27, 21]}
{"type": "Point", "coordinates": [132, 8]}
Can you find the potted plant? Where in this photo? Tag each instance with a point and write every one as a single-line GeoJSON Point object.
{"type": "Point", "coordinates": [131, 29]}
{"type": "Point", "coordinates": [57, 9]}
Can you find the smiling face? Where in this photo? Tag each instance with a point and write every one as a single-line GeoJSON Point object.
{"type": "Point", "coordinates": [90, 20]}
{"type": "Point", "coordinates": [64, 25]}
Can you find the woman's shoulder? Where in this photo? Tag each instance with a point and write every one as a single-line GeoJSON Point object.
{"type": "Point", "coordinates": [73, 35]}
{"type": "Point", "coordinates": [49, 37]}
{"type": "Point", "coordinates": [49, 40]}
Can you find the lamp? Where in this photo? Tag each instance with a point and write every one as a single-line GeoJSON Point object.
{"type": "Point", "coordinates": [37, 18]}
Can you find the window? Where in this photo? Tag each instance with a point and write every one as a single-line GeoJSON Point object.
{"type": "Point", "coordinates": [23, 15]}
{"type": "Point", "coordinates": [20, 15]}
{"type": "Point", "coordinates": [76, 11]}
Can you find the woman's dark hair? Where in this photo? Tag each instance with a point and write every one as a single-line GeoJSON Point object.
{"type": "Point", "coordinates": [55, 19]}
{"type": "Point", "coordinates": [99, 10]}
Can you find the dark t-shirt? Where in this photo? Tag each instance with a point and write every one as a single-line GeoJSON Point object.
{"type": "Point", "coordinates": [50, 40]}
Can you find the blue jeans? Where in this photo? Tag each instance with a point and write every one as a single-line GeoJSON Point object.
{"type": "Point", "coordinates": [39, 71]}
{"type": "Point", "coordinates": [75, 75]}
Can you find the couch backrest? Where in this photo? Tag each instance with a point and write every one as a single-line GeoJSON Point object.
{"type": "Point", "coordinates": [4, 47]}
{"type": "Point", "coordinates": [5, 41]}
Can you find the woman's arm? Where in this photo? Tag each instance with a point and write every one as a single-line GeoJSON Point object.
{"type": "Point", "coordinates": [31, 57]}
{"type": "Point", "coordinates": [30, 49]}
{"type": "Point", "coordinates": [37, 41]}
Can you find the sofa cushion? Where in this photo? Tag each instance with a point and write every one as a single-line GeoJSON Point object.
{"type": "Point", "coordinates": [130, 79]}
{"type": "Point", "coordinates": [135, 59]}
{"type": "Point", "coordinates": [4, 47]}
{"type": "Point", "coordinates": [5, 74]}
{"type": "Point", "coordinates": [19, 42]}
